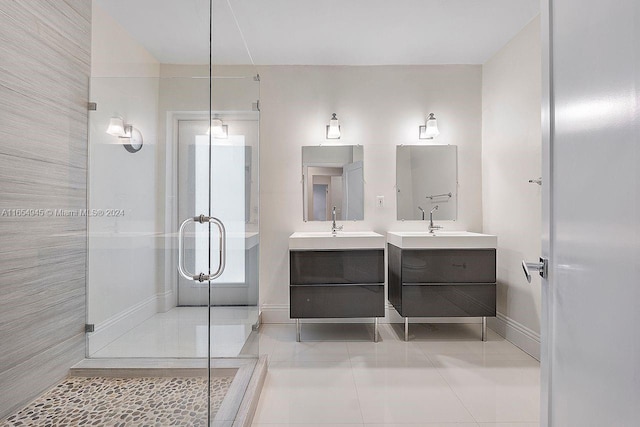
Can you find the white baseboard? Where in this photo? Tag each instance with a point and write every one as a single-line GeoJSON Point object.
{"type": "Point", "coordinates": [166, 301]}
{"type": "Point", "coordinates": [279, 313]}
{"type": "Point", "coordinates": [114, 327]}
{"type": "Point", "coordinates": [275, 313]}
{"type": "Point", "coordinates": [516, 333]}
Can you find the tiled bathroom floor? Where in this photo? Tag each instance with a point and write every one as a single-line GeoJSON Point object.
{"type": "Point", "coordinates": [445, 376]}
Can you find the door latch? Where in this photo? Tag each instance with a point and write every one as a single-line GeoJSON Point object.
{"type": "Point", "coordinates": [541, 267]}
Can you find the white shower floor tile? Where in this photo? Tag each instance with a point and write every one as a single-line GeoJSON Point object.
{"type": "Point", "coordinates": [182, 332]}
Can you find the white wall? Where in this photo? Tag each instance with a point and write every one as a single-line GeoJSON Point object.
{"type": "Point", "coordinates": [122, 262]}
{"type": "Point", "coordinates": [511, 155]}
{"type": "Point", "coordinates": [379, 108]}
{"type": "Point", "coordinates": [114, 53]}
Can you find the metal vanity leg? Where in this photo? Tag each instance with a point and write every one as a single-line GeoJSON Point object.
{"type": "Point", "coordinates": [297, 330]}
{"type": "Point", "coordinates": [484, 329]}
{"type": "Point", "coordinates": [375, 329]}
{"type": "Point", "coordinates": [406, 329]}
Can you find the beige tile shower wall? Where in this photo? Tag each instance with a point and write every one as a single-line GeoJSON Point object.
{"type": "Point", "coordinates": [379, 108]}
{"type": "Point", "coordinates": [511, 156]}
{"type": "Point", "coordinates": [44, 71]}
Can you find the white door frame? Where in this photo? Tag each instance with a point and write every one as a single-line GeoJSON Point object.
{"type": "Point", "coordinates": [171, 220]}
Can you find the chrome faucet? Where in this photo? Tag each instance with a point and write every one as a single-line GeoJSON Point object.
{"type": "Point", "coordinates": [432, 227]}
{"type": "Point", "coordinates": [334, 227]}
{"type": "Point", "coordinates": [422, 212]}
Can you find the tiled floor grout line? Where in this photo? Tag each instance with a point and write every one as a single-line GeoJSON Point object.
{"type": "Point", "coordinates": [451, 388]}
{"type": "Point", "coordinates": [412, 346]}
{"type": "Point", "coordinates": [355, 385]}
{"type": "Point", "coordinates": [426, 355]}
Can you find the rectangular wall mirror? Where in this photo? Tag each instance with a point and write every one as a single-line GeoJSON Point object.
{"type": "Point", "coordinates": [426, 177]}
{"type": "Point", "coordinates": [333, 176]}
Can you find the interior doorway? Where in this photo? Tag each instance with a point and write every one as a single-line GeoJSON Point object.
{"type": "Point", "coordinates": [232, 178]}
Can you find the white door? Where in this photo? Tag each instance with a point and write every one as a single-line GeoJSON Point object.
{"type": "Point", "coordinates": [353, 193]}
{"type": "Point", "coordinates": [591, 301]}
{"type": "Point", "coordinates": [320, 202]}
{"type": "Point", "coordinates": [221, 173]}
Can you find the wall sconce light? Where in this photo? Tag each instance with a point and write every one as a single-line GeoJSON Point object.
{"type": "Point", "coordinates": [218, 129]}
{"type": "Point", "coordinates": [333, 128]}
{"type": "Point", "coordinates": [430, 130]}
{"type": "Point", "coordinates": [118, 128]}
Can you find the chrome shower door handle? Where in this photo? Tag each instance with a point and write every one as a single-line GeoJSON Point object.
{"type": "Point", "coordinates": [183, 272]}
{"type": "Point", "coordinates": [540, 267]}
{"type": "Point", "coordinates": [202, 277]}
{"type": "Point", "coordinates": [223, 247]}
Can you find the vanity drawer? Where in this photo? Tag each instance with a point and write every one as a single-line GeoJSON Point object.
{"type": "Point", "coordinates": [449, 300]}
{"type": "Point", "coordinates": [337, 301]}
{"type": "Point", "coordinates": [335, 267]}
{"type": "Point", "coordinates": [449, 266]}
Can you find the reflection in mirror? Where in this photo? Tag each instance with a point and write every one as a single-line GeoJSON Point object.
{"type": "Point", "coordinates": [426, 177]}
{"type": "Point", "coordinates": [333, 176]}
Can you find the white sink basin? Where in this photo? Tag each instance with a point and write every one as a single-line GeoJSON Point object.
{"type": "Point", "coordinates": [324, 240]}
{"type": "Point", "coordinates": [441, 240]}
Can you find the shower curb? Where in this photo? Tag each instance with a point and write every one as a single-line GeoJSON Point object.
{"type": "Point", "coordinates": [249, 403]}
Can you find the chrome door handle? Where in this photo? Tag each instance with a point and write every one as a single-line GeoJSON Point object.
{"type": "Point", "coordinates": [202, 277]}
{"type": "Point", "coordinates": [222, 239]}
{"type": "Point", "coordinates": [540, 267]}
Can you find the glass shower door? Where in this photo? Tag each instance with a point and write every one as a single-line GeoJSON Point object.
{"type": "Point", "coordinates": [172, 280]}
{"type": "Point", "coordinates": [200, 253]}
{"type": "Point", "coordinates": [228, 171]}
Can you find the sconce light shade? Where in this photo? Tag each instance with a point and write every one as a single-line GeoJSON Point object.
{"type": "Point", "coordinates": [430, 130]}
{"type": "Point", "coordinates": [218, 130]}
{"type": "Point", "coordinates": [133, 136]}
{"type": "Point", "coordinates": [333, 128]}
{"type": "Point", "coordinates": [116, 127]}
{"type": "Point", "coordinates": [135, 139]}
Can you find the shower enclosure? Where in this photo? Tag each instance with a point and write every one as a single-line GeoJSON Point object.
{"type": "Point", "coordinates": [173, 198]}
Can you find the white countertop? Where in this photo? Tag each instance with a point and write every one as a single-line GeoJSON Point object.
{"type": "Point", "coordinates": [441, 240]}
{"type": "Point", "coordinates": [343, 240]}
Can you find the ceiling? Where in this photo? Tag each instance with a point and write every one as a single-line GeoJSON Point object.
{"type": "Point", "coordinates": [323, 32]}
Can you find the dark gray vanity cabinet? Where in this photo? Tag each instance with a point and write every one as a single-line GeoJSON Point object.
{"type": "Point", "coordinates": [442, 282]}
{"type": "Point", "coordinates": [337, 274]}
{"type": "Point", "coordinates": [336, 284]}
